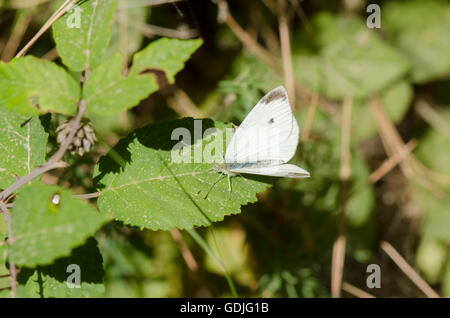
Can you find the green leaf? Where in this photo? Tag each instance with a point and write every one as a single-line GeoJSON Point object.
{"type": "Point", "coordinates": [424, 42]}
{"type": "Point", "coordinates": [165, 54]}
{"type": "Point", "coordinates": [43, 230]}
{"type": "Point", "coordinates": [150, 190]}
{"type": "Point", "coordinates": [84, 47]}
{"type": "Point", "coordinates": [22, 145]}
{"type": "Point", "coordinates": [52, 280]}
{"type": "Point", "coordinates": [430, 259]}
{"type": "Point", "coordinates": [108, 92]}
{"type": "Point", "coordinates": [32, 86]}
{"type": "Point", "coordinates": [127, 37]}
{"type": "Point", "coordinates": [396, 100]}
{"type": "Point", "coordinates": [355, 63]}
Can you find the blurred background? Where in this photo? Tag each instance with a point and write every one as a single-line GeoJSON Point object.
{"type": "Point", "coordinates": [370, 87]}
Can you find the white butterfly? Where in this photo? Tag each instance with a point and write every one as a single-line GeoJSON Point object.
{"type": "Point", "coordinates": [265, 141]}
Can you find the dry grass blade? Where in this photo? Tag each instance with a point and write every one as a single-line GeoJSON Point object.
{"type": "Point", "coordinates": [339, 246]}
{"type": "Point", "coordinates": [391, 162]}
{"type": "Point", "coordinates": [355, 291]}
{"type": "Point", "coordinates": [286, 56]}
{"type": "Point", "coordinates": [408, 270]}
{"type": "Point", "coordinates": [60, 12]}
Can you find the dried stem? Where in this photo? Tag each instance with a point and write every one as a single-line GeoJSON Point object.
{"type": "Point", "coordinates": [355, 291]}
{"type": "Point", "coordinates": [408, 270]}
{"type": "Point", "coordinates": [61, 11]}
{"type": "Point", "coordinates": [391, 162]}
{"type": "Point", "coordinates": [286, 55]}
{"type": "Point", "coordinates": [339, 246]}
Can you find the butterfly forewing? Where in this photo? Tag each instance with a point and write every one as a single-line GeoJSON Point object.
{"type": "Point", "coordinates": [268, 136]}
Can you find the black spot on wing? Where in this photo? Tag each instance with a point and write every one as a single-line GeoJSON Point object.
{"type": "Point", "coordinates": [274, 95]}
{"type": "Point", "coordinates": [271, 121]}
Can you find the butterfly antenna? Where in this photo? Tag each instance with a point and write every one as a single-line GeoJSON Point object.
{"type": "Point", "coordinates": [212, 186]}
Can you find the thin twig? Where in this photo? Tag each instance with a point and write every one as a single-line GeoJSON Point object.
{"type": "Point", "coordinates": [286, 55]}
{"type": "Point", "coordinates": [393, 143]}
{"type": "Point", "coordinates": [12, 265]}
{"type": "Point", "coordinates": [339, 246]}
{"type": "Point", "coordinates": [391, 162]}
{"type": "Point", "coordinates": [408, 270]}
{"type": "Point", "coordinates": [60, 12]}
{"type": "Point", "coordinates": [355, 291]}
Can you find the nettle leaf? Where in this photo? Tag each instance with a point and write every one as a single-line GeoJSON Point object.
{"type": "Point", "coordinates": [23, 144]}
{"type": "Point", "coordinates": [145, 187]}
{"type": "Point", "coordinates": [358, 63]}
{"type": "Point", "coordinates": [52, 280]}
{"type": "Point", "coordinates": [32, 86]}
{"type": "Point", "coordinates": [83, 46]}
{"type": "Point", "coordinates": [108, 92]}
{"type": "Point", "coordinates": [44, 230]}
{"type": "Point", "coordinates": [424, 42]}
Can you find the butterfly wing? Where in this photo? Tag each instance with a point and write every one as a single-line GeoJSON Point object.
{"type": "Point", "coordinates": [284, 170]}
{"type": "Point", "coordinates": [269, 133]}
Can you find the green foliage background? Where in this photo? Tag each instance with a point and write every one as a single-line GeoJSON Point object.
{"type": "Point", "coordinates": [152, 232]}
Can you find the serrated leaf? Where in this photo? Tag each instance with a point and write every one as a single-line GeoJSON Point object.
{"type": "Point", "coordinates": [108, 92]}
{"type": "Point", "coordinates": [424, 42]}
{"type": "Point", "coordinates": [149, 190]}
{"type": "Point", "coordinates": [165, 54]}
{"type": "Point", "coordinates": [44, 231]}
{"type": "Point", "coordinates": [22, 145]}
{"type": "Point", "coordinates": [357, 63]}
{"type": "Point", "coordinates": [51, 281]}
{"type": "Point", "coordinates": [32, 86]}
{"type": "Point", "coordinates": [83, 46]}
